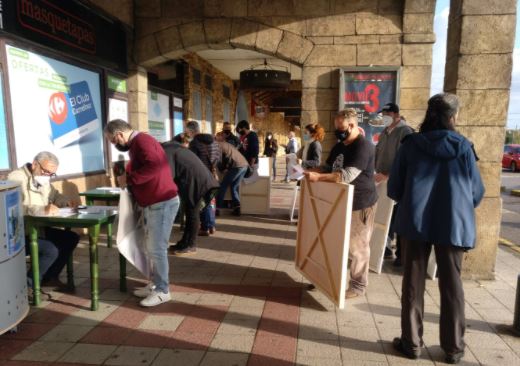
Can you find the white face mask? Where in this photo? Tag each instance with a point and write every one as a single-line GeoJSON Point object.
{"type": "Point", "coordinates": [42, 180]}
{"type": "Point", "coordinates": [387, 121]}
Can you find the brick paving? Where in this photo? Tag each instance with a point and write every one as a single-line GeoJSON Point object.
{"type": "Point", "coordinates": [240, 301]}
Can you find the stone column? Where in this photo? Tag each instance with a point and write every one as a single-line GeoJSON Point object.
{"type": "Point", "coordinates": [478, 69]}
{"type": "Point", "coordinates": [138, 98]}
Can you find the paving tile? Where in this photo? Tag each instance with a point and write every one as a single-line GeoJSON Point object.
{"type": "Point", "coordinates": [161, 322]}
{"type": "Point", "coordinates": [107, 335]}
{"type": "Point", "coordinates": [238, 326]}
{"type": "Point", "coordinates": [190, 340]}
{"type": "Point", "coordinates": [225, 359]}
{"type": "Point", "coordinates": [29, 331]}
{"type": "Point", "coordinates": [94, 354]}
{"type": "Point", "coordinates": [148, 338]}
{"type": "Point", "coordinates": [132, 356]}
{"type": "Point", "coordinates": [66, 333]}
{"type": "Point", "coordinates": [91, 318]}
{"type": "Point", "coordinates": [44, 351]}
{"type": "Point", "coordinates": [125, 316]}
{"type": "Point", "coordinates": [232, 343]}
{"type": "Point", "coordinates": [183, 357]}
{"type": "Point", "coordinates": [274, 347]}
{"type": "Point", "coordinates": [10, 347]}
{"type": "Point", "coordinates": [317, 348]}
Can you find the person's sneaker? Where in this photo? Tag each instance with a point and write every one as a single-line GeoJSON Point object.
{"type": "Point", "coordinates": [145, 291]}
{"type": "Point", "coordinates": [454, 358]}
{"type": "Point", "coordinates": [212, 230]}
{"type": "Point", "coordinates": [155, 298]}
{"type": "Point", "coordinates": [203, 232]}
{"type": "Point", "coordinates": [400, 347]}
{"type": "Point", "coordinates": [185, 252]}
{"type": "Point", "coordinates": [350, 294]}
{"type": "Point", "coordinates": [236, 211]}
{"type": "Point", "coordinates": [397, 262]}
{"type": "Point", "coordinates": [388, 253]}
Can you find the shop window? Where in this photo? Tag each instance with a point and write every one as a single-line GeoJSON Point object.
{"type": "Point", "coordinates": [226, 91]}
{"type": "Point", "coordinates": [197, 106]}
{"type": "Point", "coordinates": [159, 116]}
{"type": "Point", "coordinates": [195, 73]}
{"type": "Point", "coordinates": [208, 81]}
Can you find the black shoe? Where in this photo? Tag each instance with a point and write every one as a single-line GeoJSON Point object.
{"type": "Point", "coordinates": [389, 254]}
{"type": "Point", "coordinates": [236, 211]}
{"type": "Point", "coordinates": [399, 347]}
{"type": "Point", "coordinates": [397, 262]}
{"type": "Point", "coordinates": [454, 358]}
{"type": "Point", "coordinates": [179, 245]}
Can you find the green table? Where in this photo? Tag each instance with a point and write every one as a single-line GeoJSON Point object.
{"type": "Point", "coordinates": [90, 221]}
{"type": "Point", "coordinates": [106, 196]}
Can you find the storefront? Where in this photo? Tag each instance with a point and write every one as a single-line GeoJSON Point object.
{"type": "Point", "coordinates": [63, 69]}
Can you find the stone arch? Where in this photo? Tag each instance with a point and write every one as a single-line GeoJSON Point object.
{"type": "Point", "coordinates": [221, 33]}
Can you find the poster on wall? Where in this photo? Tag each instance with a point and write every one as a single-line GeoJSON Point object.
{"type": "Point", "coordinates": [159, 116]}
{"type": "Point", "coordinates": [14, 216]}
{"type": "Point", "coordinates": [60, 104]}
{"type": "Point", "coordinates": [118, 109]}
{"type": "Point", "coordinates": [4, 146]}
{"type": "Point", "coordinates": [368, 90]}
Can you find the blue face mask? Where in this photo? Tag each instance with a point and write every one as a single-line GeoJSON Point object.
{"type": "Point", "coordinates": [306, 137]}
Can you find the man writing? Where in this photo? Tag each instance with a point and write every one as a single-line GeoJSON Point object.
{"type": "Point", "coordinates": [39, 197]}
{"type": "Point", "coordinates": [149, 179]}
{"type": "Point", "coordinates": [351, 161]}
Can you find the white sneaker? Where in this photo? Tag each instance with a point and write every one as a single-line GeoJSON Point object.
{"type": "Point", "coordinates": [145, 291]}
{"type": "Point", "coordinates": [155, 298]}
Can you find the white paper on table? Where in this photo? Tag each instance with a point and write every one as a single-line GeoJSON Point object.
{"type": "Point", "coordinates": [254, 177]}
{"type": "Point", "coordinates": [110, 189]}
{"type": "Point", "coordinates": [96, 209]}
{"type": "Point", "coordinates": [296, 172]}
{"type": "Point", "coordinates": [130, 235]}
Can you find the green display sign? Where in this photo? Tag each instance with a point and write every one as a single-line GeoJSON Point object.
{"type": "Point", "coordinates": [116, 84]}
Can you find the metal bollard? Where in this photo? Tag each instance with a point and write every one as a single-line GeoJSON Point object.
{"type": "Point", "coordinates": [516, 322]}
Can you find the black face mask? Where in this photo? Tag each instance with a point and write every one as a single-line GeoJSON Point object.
{"type": "Point", "coordinates": [122, 148]}
{"type": "Point", "coordinates": [242, 132]}
{"type": "Point", "coordinates": [342, 135]}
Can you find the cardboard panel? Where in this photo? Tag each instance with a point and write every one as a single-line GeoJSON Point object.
{"type": "Point", "coordinates": [382, 219]}
{"type": "Point", "coordinates": [255, 197]}
{"type": "Point", "coordinates": [322, 242]}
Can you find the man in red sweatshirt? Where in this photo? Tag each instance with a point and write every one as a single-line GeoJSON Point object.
{"type": "Point", "coordinates": [148, 177]}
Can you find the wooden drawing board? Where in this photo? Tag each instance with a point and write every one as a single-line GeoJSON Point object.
{"type": "Point", "coordinates": [382, 219]}
{"type": "Point", "coordinates": [322, 242]}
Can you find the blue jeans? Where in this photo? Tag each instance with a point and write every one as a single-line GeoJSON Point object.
{"type": "Point", "coordinates": [158, 222]}
{"type": "Point", "coordinates": [232, 179]}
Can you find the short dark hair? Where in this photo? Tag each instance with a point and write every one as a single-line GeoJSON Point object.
{"type": "Point", "coordinates": [243, 124]}
{"type": "Point", "coordinates": [117, 125]}
{"type": "Point", "coordinates": [441, 107]}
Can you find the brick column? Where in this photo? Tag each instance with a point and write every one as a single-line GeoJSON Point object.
{"type": "Point", "coordinates": [478, 69]}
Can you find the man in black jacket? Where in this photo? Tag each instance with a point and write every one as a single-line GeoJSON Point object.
{"type": "Point", "coordinates": [196, 184]}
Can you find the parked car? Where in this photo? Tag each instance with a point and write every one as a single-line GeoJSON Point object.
{"type": "Point", "coordinates": [511, 157]}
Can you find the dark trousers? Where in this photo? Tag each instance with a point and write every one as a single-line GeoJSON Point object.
{"type": "Point", "coordinates": [191, 226]}
{"type": "Point", "coordinates": [452, 319]}
{"type": "Point", "coordinates": [53, 252]}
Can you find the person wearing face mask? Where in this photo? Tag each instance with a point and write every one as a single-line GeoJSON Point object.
{"type": "Point", "coordinates": [310, 153]}
{"type": "Point", "coordinates": [386, 149]}
{"type": "Point", "coordinates": [40, 197]}
{"type": "Point", "coordinates": [351, 161]}
{"type": "Point", "coordinates": [249, 145]}
{"type": "Point", "coordinates": [229, 137]}
{"type": "Point", "coordinates": [270, 150]}
{"type": "Point", "coordinates": [149, 179]}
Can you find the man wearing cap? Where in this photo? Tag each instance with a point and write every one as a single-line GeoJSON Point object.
{"type": "Point", "coordinates": [386, 149]}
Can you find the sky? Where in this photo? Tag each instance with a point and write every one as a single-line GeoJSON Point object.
{"type": "Point", "coordinates": [439, 56]}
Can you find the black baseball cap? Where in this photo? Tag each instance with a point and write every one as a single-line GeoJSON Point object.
{"type": "Point", "coordinates": [390, 107]}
